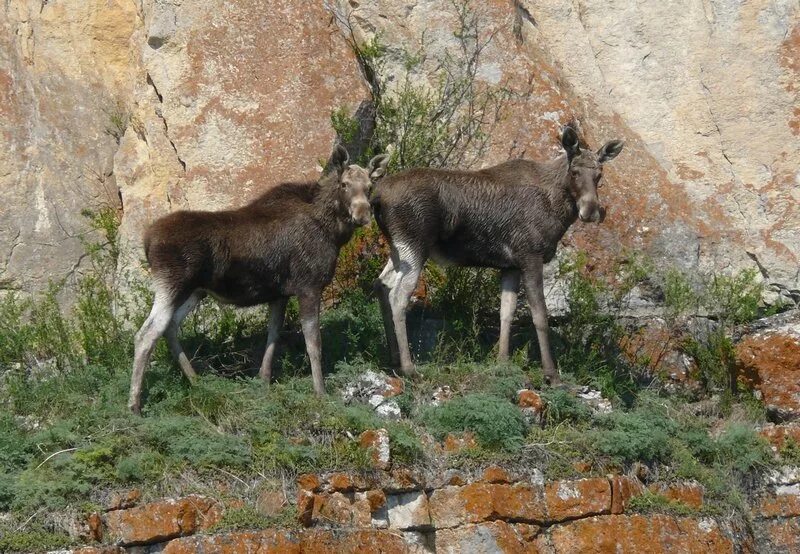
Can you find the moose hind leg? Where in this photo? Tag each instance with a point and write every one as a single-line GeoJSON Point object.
{"type": "Point", "coordinates": [277, 313]}
{"type": "Point", "coordinates": [309, 320]}
{"type": "Point", "coordinates": [145, 341]}
{"type": "Point", "coordinates": [408, 269]}
{"type": "Point", "coordinates": [534, 286]}
{"type": "Point", "coordinates": [509, 288]}
{"type": "Point", "coordinates": [171, 334]}
{"type": "Point", "coordinates": [382, 285]}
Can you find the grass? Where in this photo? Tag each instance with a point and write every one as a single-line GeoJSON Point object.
{"type": "Point", "coordinates": [66, 434]}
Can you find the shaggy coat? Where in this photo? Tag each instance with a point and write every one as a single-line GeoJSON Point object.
{"type": "Point", "coordinates": [510, 217]}
{"type": "Point", "coordinates": [284, 243]}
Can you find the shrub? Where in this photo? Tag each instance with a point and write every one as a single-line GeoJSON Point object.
{"type": "Point", "coordinates": [630, 437]}
{"type": "Point", "coordinates": [743, 449]}
{"type": "Point", "coordinates": [497, 424]}
{"type": "Point", "coordinates": [561, 406]}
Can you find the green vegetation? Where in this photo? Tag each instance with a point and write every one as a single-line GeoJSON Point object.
{"type": "Point", "coordinates": [649, 502]}
{"type": "Point", "coordinates": [247, 518]}
{"type": "Point", "coordinates": [66, 434]}
{"type": "Point", "coordinates": [497, 424]}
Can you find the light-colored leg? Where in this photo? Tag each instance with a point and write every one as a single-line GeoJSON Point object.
{"type": "Point", "coordinates": [153, 327]}
{"type": "Point", "coordinates": [277, 313]}
{"type": "Point", "coordinates": [509, 287]}
{"type": "Point", "coordinates": [382, 286]}
{"type": "Point", "coordinates": [309, 320]}
{"type": "Point", "coordinates": [171, 334]}
{"type": "Point", "coordinates": [534, 286]}
{"type": "Point", "coordinates": [407, 272]}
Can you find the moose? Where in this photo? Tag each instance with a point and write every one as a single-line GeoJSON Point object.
{"type": "Point", "coordinates": [284, 243]}
{"type": "Point", "coordinates": [510, 217]}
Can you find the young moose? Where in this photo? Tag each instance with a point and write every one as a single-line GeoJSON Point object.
{"type": "Point", "coordinates": [285, 243]}
{"type": "Point", "coordinates": [510, 217]}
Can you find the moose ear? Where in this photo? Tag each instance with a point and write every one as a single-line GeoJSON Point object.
{"type": "Point", "coordinates": [377, 166]}
{"type": "Point", "coordinates": [569, 140]}
{"type": "Point", "coordinates": [339, 158]}
{"type": "Point", "coordinates": [609, 151]}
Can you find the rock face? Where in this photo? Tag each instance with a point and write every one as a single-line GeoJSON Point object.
{"type": "Point", "coordinates": [204, 104]}
{"type": "Point", "coordinates": [770, 361]}
{"type": "Point", "coordinates": [497, 513]}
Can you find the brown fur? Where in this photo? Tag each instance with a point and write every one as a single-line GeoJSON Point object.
{"type": "Point", "coordinates": [284, 243]}
{"type": "Point", "coordinates": [510, 217]}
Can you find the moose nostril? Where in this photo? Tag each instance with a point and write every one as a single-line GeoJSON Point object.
{"type": "Point", "coordinates": [602, 214]}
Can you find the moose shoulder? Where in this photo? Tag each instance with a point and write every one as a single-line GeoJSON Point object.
{"type": "Point", "coordinates": [510, 217]}
{"type": "Point", "coordinates": [285, 243]}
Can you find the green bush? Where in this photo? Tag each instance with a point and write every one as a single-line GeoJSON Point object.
{"type": "Point", "coordinates": [32, 540]}
{"type": "Point", "coordinates": [561, 406]}
{"type": "Point", "coordinates": [743, 449]}
{"type": "Point", "coordinates": [635, 436]}
{"type": "Point", "coordinates": [497, 423]}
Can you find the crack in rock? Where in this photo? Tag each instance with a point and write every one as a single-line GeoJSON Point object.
{"type": "Point", "coordinates": [164, 121]}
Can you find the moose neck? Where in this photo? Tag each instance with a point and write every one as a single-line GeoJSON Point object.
{"type": "Point", "coordinates": [556, 179]}
{"type": "Point", "coordinates": [329, 211]}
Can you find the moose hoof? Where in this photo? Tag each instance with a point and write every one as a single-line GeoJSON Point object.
{"type": "Point", "coordinates": [135, 409]}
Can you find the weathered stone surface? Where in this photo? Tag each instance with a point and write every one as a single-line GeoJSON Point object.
{"type": "Point", "coordinates": [333, 509]}
{"type": "Point", "coordinates": [454, 443]}
{"type": "Point", "coordinates": [64, 72]}
{"type": "Point", "coordinates": [574, 499]}
{"type": "Point", "coordinates": [622, 490]}
{"type": "Point", "coordinates": [635, 534]}
{"type": "Point", "coordinates": [532, 405]}
{"type": "Point", "coordinates": [484, 538]}
{"type": "Point", "coordinates": [777, 435]}
{"type": "Point", "coordinates": [105, 549]}
{"type": "Point", "coordinates": [477, 502]}
{"type": "Point", "coordinates": [305, 507]}
{"type": "Point", "coordinates": [271, 502]}
{"type": "Point", "coordinates": [268, 541]}
{"type": "Point", "coordinates": [770, 361]}
{"type": "Point", "coordinates": [784, 502]}
{"type": "Point", "coordinates": [692, 187]}
{"type": "Point", "coordinates": [377, 442]}
{"type": "Point", "coordinates": [309, 482]}
{"type": "Point", "coordinates": [408, 510]}
{"type": "Point", "coordinates": [690, 494]}
{"type": "Point", "coordinates": [368, 541]}
{"type": "Point", "coordinates": [781, 536]}
{"type": "Point", "coordinates": [160, 521]}
{"type": "Point", "coordinates": [124, 499]}
{"type": "Point", "coordinates": [496, 474]}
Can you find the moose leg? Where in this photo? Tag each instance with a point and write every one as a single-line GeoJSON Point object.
{"type": "Point", "coordinates": [144, 343]}
{"type": "Point", "coordinates": [171, 334]}
{"type": "Point", "coordinates": [383, 284]}
{"type": "Point", "coordinates": [407, 271]}
{"type": "Point", "coordinates": [277, 313]}
{"type": "Point", "coordinates": [509, 287]}
{"type": "Point", "coordinates": [309, 320]}
{"type": "Point", "coordinates": [534, 286]}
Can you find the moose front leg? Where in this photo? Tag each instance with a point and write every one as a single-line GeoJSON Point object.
{"type": "Point", "coordinates": [309, 320]}
{"type": "Point", "coordinates": [534, 286]}
{"type": "Point", "coordinates": [277, 313]}
{"type": "Point", "coordinates": [509, 288]}
{"type": "Point", "coordinates": [382, 285]}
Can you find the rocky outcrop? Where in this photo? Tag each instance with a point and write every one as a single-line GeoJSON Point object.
{"type": "Point", "coordinates": [384, 512]}
{"type": "Point", "coordinates": [769, 360]}
{"type": "Point", "coordinates": [204, 104]}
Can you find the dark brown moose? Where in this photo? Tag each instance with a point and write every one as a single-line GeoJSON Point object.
{"type": "Point", "coordinates": [510, 217]}
{"type": "Point", "coordinates": [285, 243]}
